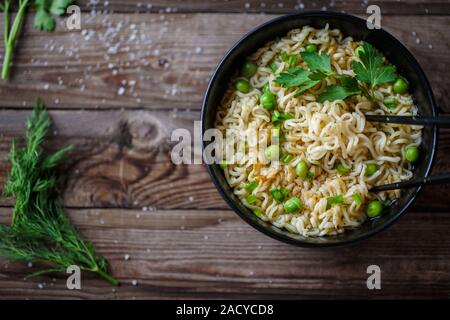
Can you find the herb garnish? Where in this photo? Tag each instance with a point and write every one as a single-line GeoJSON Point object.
{"type": "Point", "coordinates": [370, 71]}
{"type": "Point", "coordinates": [40, 231]}
{"type": "Point", "coordinates": [43, 20]}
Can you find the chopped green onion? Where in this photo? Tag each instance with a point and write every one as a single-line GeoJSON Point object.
{"type": "Point", "coordinates": [292, 205]}
{"type": "Point", "coordinates": [310, 176]}
{"type": "Point", "coordinates": [278, 116]}
{"type": "Point", "coordinates": [257, 212]}
{"type": "Point", "coordinates": [390, 102]}
{"type": "Point", "coordinates": [339, 199]}
{"type": "Point", "coordinates": [357, 198]}
{"type": "Point", "coordinates": [273, 66]}
{"type": "Point", "coordinates": [286, 158]}
{"type": "Point", "coordinates": [279, 194]}
{"type": "Point", "coordinates": [250, 199]}
{"type": "Point", "coordinates": [272, 152]}
{"type": "Point", "coordinates": [251, 186]}
{"type": "Point", "coordinates": [371, 168]}
{"type": "Point", "coordinates": [266, 88]}
{"type": "Point", "coordinates": [284, 56]}
{"type": "Point", "coordinates": [223, 164]}
{"type": "Point", "coordinates": [292, 60]}
{"type": "Point", "coordinates": [341, 169]}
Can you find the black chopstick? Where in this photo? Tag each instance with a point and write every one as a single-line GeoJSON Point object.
{"type": "Point", "coordinates": [442, 178]}
{"type": "Point", "coordinates": [441, 121]}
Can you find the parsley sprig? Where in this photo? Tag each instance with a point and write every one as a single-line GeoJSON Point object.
{"type": "Point", "coordinates": [40, 230]}
{"type": "Point", "coordinates": [43, 20]}
{"type": "Point", "coordinates": [370, 71]}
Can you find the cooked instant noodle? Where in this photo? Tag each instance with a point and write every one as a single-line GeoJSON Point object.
{"type": "Point", "coordinates": [316, 180]}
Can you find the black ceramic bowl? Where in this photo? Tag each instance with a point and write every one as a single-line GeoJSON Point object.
{"type": "Point", "coordinates": [394, 51]}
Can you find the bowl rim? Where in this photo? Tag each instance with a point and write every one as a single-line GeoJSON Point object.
{"type": "Point", "coordinates": [282, 237]}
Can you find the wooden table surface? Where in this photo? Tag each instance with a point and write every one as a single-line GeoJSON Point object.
{"type": "Point", "coordinates": [125, 194]}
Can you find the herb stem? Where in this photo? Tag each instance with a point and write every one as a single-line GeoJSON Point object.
{"type": "Point", "coordinates": [105, 276]}
{"type": "Point", "coordinates": [11, 35]}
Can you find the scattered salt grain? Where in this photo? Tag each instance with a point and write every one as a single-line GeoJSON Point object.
{"type": "Point", "coordinates": [134, 282]}
{"type": "Point", "coordinates": [121, 91]}
{"type": "Point", "coordinates": [126, 257]}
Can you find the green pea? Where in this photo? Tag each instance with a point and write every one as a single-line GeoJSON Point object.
{"type": "Point", "coordinates": [301, 169]}
{"type": "Point", "coordinates": [341, 169]}
{"type": "Point", "coordinates": [358, 51]}
{"type": "Point", "coordinates": [248, 69]}
{"type": "Point", "coordinates": [400, 86]}
{"type": "Point", "coordinates": [292, 205]}
{"type": "Point", "coordinates": [371, 169]}
{"type": "Point", "coordinates": [272, 152]}
{"type": "Point", "coordinates": [310, 48]}
{"type": "Point", "coordinates": [374, 208]}
{"type": "Point", "coordinates": [268, 100]}
{"type": "Point", "coordinates": [390, 102]}
{"type": "Point", "coordinates": [242, 85]}
{"type": "Point", "coordinates": [412, 154]}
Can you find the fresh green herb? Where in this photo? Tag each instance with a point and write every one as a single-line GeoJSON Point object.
{"type": "Point", "coordinates": [279, 194]}
{"type": "Point", "coordinates": [310, 176]}
{"type": "Point", "coordinates": [273, 66]}
{"type": "Point", "coordinates": [349, 87]}
{"type": "Point", "coordinates": [43, 21]}
{"type": "Point", "coordinates": [335, 200]}
{"type": "Point", "coordinates": [370, 69]}
{"type": "Point", "coordinates": [251, 186]}
{"type": "Point", "coordinates": [293, 77]}
{"type": "Point", "coordinates": [357, 199]}
{"type": "Point", "coordinates": [320, 65]}
{"type": "Point", "coordinates": [40, 230]}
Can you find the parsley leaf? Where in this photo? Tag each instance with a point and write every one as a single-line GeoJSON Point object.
{"type": "Point", "coordinates": [58, 7]}
{"type": "Point", "coordinates": [349, 87]}
{"type": "Point", "coordinates": [370, 69]}
{"type": "Point", "coordinates": [293, 77]}
{"type": "Point", "coordinates": [320, 64]}
{"type": "Point", "coordinates": [44, 21]}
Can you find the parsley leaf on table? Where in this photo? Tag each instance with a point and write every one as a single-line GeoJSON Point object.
{"type": "Point", "coordinates": [370, 69]}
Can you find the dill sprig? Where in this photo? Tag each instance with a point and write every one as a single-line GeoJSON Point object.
{"type": "Point", "coordinates": [40, 230]}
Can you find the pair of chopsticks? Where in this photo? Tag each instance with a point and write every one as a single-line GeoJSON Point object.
{"type": "Point", "coordinates": [441, 122]}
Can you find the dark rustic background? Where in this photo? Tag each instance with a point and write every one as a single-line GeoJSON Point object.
{"type": "Point", "coordinates": [116, 90]}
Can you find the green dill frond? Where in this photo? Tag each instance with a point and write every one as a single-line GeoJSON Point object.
{"type": "Point", "coordinates": [41, 231]}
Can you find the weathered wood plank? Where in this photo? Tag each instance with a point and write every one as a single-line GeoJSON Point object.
{"type": "Point", "coordinates": [165, 61]}
{"type": "Point", "coordinates": [214, 254]}
{"type": "Point", "coordinates": [122, 159]}
{"type": "Point", "coordinates": [409, 7]}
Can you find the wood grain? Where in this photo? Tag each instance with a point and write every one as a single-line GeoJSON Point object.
{"type": "Point", "coordinates": [122, 159]}
{"type": "Point", "coordinates": [388, 7]}
{"type": "Point", "coordinates": [165, 61]}
{"type": "Point", "coordinates": [214, 254]}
